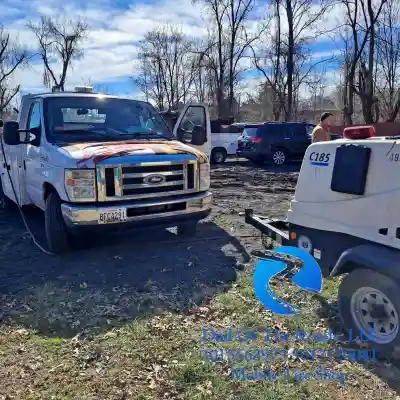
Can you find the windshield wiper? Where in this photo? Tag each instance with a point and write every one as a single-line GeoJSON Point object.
{"type": "Point", "coordinates": [89, 131]}
{"type": "Point", "coordinates": [147, 135]}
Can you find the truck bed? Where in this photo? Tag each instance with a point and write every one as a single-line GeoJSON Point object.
{"type": "Point", "coordinates": [276, 229]}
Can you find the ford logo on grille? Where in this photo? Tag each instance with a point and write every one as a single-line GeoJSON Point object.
{"type": "Point", "coordinates": [154, 179]}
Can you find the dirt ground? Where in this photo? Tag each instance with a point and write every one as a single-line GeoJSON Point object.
{"type": "Point", "coordinates": [138, 259]}
{"type": "Point", "coordinates": [115, 320]}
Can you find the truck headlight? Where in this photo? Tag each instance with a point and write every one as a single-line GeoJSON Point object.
{"type": "Point", "coordinates": [204, 183]}
{"type": "Point", "coordinates": [80, 184]}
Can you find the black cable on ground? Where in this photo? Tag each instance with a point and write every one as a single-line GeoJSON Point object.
{"type": "Point", "coordinates": [18, 205]}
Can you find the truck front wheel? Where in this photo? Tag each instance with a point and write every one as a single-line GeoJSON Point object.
{"type": "Point", "coordinates": [369, 306]}
{"type": "Point", "coordinates": [56, 229]}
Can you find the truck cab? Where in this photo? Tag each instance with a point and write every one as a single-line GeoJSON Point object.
{"type": "Point", "coordinates": [95, 161]}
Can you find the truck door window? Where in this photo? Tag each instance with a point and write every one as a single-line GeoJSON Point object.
{"type": "Point", "coordinates": [194, 116]}
{"type": "Point", "coordinates": [34, 123]}
{"type": "Point", "coordinates": [34, 117]}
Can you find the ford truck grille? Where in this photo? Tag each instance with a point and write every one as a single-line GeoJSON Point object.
{"type": "Point", "coordinates": [146, 180]}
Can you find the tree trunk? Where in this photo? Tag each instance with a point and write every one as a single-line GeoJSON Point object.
{"type": "Point", "coordinates": [290, 61]}
{"type": "Point", "coordinates": [395, 110]}
{"type": "Point", "coordinates": [349, 97]}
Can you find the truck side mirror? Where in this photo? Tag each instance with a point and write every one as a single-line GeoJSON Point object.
{"type": "Point", "coordinates": [199, 136]}
{"type": "Point", "coordinates": [11, 133]}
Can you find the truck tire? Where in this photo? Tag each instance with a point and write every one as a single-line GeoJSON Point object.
{"type": "Point", "coordinates": [369, 305]}
{"type": "Point", "coordinates": [218, 156]}
{"type": "Point", "coordinates": [187, 229]}
{"type": "Point", "coordinates": [57, 234]}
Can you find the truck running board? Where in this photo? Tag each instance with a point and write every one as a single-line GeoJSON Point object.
{"type": "Point", "coordinates": [276, 229]}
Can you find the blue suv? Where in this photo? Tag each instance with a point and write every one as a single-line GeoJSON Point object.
{"type": "Point", "coordinates": [276, 142]}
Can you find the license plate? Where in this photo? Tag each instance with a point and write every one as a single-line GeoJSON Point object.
{"type": "Point", "coordinates": [110, 217]}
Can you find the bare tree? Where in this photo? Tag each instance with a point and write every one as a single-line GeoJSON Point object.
{"type": "Point", "coordinates": [270, 61]}
{"type": "Point", "coordinates": [205, 80]}
{"type": "Point", "coordinates": [345, 90]}
{"type": "Point", "coordinates": [12, 57]}
{"type": "Point", "coordinates": [285, 61]}
{"type": "Point", "coordinates": [366, 86]}
{"type": "Point", "coordinates": [217, 54]}
{"type": "Point", "coordinates": [316, 87]}
{"type": "Point", "coordinates": [302, 16]}
{"type": "Point", "coordinates": [61, 41]}
{"type": "Point", "coordinates": [167, 67]}
{"type": "Point", "coordinates": [230, 41]}
{"type": "Point", "coordinates": [149, 78]}
{"type": "Point", "coordinates": [238, 12]}
{"type": "Point", "coordinates": [387, 81]}
{"type": "Point", "coordinates": [361, 18]}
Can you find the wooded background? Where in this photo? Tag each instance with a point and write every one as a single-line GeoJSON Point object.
{"type": "Point", "coordinates": [359, 82]}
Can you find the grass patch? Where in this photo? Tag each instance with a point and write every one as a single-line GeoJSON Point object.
{"type": "Point", "coordinates": [162, 356]}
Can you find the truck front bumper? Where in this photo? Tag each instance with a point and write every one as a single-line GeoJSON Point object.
{"type": "Point", "coordinates": [146, 212]}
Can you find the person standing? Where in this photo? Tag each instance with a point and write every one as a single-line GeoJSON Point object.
{"type": "Point", "coordinates": [321, 132]}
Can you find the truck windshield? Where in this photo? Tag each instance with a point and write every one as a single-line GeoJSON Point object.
{"type": "Point", "coordinates": [94, 118]}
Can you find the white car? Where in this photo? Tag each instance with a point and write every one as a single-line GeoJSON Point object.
{"type": "Point", "coordinates": [223, 144]}
{"type": "Point", "coordinates": [224, 141]}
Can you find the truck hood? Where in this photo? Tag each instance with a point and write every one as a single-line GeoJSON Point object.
{"type": "Point", "coordinates": [87, 155]}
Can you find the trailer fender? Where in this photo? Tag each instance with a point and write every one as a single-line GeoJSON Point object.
{"type": "Point", "coordinates": [377, 258]}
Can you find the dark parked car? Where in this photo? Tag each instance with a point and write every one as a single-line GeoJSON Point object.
{"type": "Point", "coordinates": [275, 142]}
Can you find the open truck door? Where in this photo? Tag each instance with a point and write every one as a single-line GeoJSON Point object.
{"type": "Point", "coordinates": [193, 127]}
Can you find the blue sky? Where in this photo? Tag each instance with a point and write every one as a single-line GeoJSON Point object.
{"type": "Point", "coordinates": [116, 28]}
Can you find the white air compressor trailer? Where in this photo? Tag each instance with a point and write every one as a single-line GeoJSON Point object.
{"type": "Point", "coordinates": [345, 213]}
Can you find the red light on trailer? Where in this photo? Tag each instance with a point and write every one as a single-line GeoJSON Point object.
{"type": "Point", "coordinates": [359, 132]}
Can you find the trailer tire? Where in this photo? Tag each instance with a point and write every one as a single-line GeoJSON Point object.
{"type": "Point", "coordinates": [57, 234]}
{"type": "Point", "coordinates": [364, 296]}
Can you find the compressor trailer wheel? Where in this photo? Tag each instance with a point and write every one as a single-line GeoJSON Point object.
{"type": "Point", "coordinates": [369, 305]}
